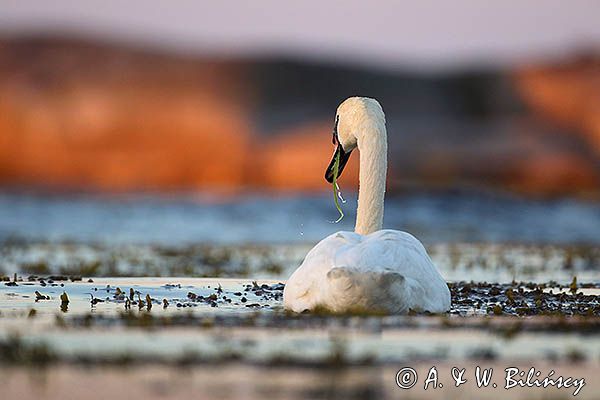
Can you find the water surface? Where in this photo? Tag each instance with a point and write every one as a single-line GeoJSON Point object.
{"type": "Point", "coordinates": [294, 219]}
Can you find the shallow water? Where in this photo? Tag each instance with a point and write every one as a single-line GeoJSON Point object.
{"type": "Point", "coordinates": [215, 319]}
{"type": "Point", "coordinates": [500, 263]}
{"type": "Point", "coordinates": [184, 219]}
{"type": "Point", "coordinates": [224, 333]}
{"type": "Point", "coordinates": [242, 381]}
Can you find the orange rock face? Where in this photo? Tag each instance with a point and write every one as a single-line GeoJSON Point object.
{"type": "Point", "coordinates": [297, 160]}
{"type": "Point", "coordinates": [75, 116]}
{"type": "Point", "coordinates": [568, 94]}
{"type": "Point", "coordinates": [80, 116]}
{"type": "Point", "coordinates": [88, 117]}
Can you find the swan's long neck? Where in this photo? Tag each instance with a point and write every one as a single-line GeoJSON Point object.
{"type": "Point", "coordinates": [372, 145]}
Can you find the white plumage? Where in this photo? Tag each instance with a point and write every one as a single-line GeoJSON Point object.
{"type": "Point", "coordinates": [370, 269]}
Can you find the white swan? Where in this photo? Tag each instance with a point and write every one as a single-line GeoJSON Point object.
{"type": "Point", "coordinates": [369, 269]}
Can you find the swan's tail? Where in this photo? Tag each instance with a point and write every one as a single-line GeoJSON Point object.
{"type": "Point", "coordinates": [351, 289]}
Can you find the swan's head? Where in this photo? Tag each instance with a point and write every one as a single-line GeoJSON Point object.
{"type": "Point", "coordinates": [353, 119]}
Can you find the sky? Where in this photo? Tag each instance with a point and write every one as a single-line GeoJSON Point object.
{"type": "Point", "coordinates": [423, 34]}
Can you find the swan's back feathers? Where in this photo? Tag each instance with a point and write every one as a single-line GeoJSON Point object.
{"type": "Point", "coordinates": [354, 289]}
{"type": "Point", "coordinates": [387, 271]}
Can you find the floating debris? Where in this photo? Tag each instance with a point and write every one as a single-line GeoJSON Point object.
{"type": "Point", "coordinates": [573, 285]}
{"type": "Point", "coordinates": [64, 302]}
{"type": "Point", "coordinates": [13, 282]}
{"type": "Point", "coordinates": [522, 299]}
{"type": "Point", "coordinates": [140, 302]}
{"type": "Point", "coordinates": [64, 298]}
{"type": "Point", "coordinates": [119, 294]}
{"type": "Point", "coordinates": [172, 286]}
{"type": "Point", "coordinates": [497, 309]}
{"type": "Point", "coordinates": [39, 296]}
{"type": "Point", "coordinates": [57, 278]}
{"type": "Point", "coordinates": [95, 300]}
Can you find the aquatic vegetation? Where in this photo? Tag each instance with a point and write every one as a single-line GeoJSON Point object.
{"type": "Point", "coordinates": [140, 302]}
{"type": "Point", "coordinates": [39, 268]}
{"type": "Point", "coordinates": [64, 298]}
{"type": "Point", "coordinates": [85, 269]}
{"type": "Point", "coordinates": [352, 312]}
{"type": "Point", "coordinates": [13, 282]}
{"type": "Point", "coordinates": [95, 300]}
{"type": "Point", "coordinates": [64, 302]}
{"type": "Point", "coordinates": [336, 188]}
{"type": "Point", "coordinates": [573, 285]}
{"type": "Point", "coordinates": [491, 262]}
{"type": "Point", "coordinates": [39, 296]}
{"type": "Point", "coordinates": [13, 351]}
{"type": "Point", "coordinates": [521, 298]}
{"type": "Point", "coordinates": [531, 288]}
{"type": "Point", "coordinates": [235, 331]}
{"type": "Point", "coordinates": [576, 356]}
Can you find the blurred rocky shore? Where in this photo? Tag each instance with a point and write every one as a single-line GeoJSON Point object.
{"type": "Point", "coordinates": [78, 115]}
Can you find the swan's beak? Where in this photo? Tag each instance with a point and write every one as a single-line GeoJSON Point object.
{"type": "Point", "coordinates": [344, 157]}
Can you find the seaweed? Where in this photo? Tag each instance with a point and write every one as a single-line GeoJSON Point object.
{"type": "Point", "coordinates": [336, 188]}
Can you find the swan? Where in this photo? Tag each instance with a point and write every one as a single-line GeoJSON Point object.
{"type": "Point", "coordinates": [370, 269]}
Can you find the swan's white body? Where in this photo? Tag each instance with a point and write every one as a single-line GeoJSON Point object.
{"type": "Point", "coordinates": [369, 269]}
